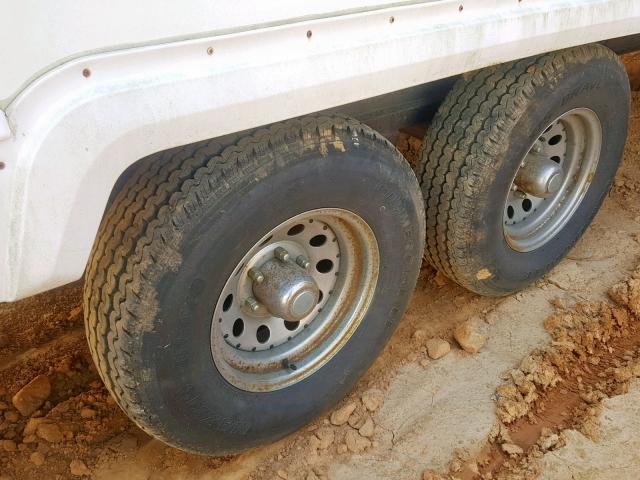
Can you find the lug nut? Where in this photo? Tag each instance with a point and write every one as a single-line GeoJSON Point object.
{"type": "Point", "coordinates": [281, 254]}
{"type": "Point", "coordinates": [256, 275]}
{"type": "Point", "coordinates": [303, 262]}
{"type": "Point", "coordinates": [252, 303]}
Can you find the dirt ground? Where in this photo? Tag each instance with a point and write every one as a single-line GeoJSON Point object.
{"type": "Point", "coordinates": [553, 392]}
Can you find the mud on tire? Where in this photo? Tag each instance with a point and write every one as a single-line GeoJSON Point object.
{"type": "Point", "coordinates": [476, 143]}
{"type": "Point", "coordinates": [166, 247]}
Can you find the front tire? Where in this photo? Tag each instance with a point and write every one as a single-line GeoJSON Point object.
{"type": "Point", "coordinates": [490, 227]}
{"type": "Point", "coordinates": [163, 278]}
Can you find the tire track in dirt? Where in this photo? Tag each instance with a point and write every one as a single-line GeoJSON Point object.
{"type": "Point", "coordinates": [593, 356]}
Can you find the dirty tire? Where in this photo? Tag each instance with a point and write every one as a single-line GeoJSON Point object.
{"type": "Point", "coordinates": [475, 144]}
{"type": "Point", "coordinates": [165, 249]}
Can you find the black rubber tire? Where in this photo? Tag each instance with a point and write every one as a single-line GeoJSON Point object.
{"type": "Point", "coordinates": [473, 149]}
{"type": "Point", "coordinates": [173, 235]}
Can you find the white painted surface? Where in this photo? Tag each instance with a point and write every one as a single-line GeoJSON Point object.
{"type": "Point", "coordinates": [44, 33]}
{"type": "Point", "coordinates": [5, 131]}
{"type": "Point", "coordinates": [73, 136]}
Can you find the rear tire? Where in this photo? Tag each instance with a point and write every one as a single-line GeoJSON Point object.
{"type": "Point", "coordinates": [482, 134]}
{"type": "Point", "coordinates": [176, 234]}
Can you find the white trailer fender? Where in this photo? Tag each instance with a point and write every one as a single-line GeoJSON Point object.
{"type": "Point", "coordinates": [75, 128]}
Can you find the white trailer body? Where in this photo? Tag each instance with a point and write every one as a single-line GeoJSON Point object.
{"type": "Point", "coordinates": [89, 88]}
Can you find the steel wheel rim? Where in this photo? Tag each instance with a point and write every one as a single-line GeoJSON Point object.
{"type": "Point", "coordinates": [293, 352]}
{"type": "Point", "coordinates": [573, 142]}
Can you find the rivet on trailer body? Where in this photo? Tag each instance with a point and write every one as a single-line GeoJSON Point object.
{"type": "Point", "coordinates": [86, 73]}
{"type": "Point", "coordinates": [309, 33]}
{"type": "Point", "coordinates": [210, 51]}
{"type": "Point", "coordinates": [460, 8]}
{"type": "Point", "coordinates": [392, 19]}
{"type": "Point", "coordinates": [2, 165]}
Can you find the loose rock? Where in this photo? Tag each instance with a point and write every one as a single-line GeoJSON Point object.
{"type": "Point", "coordinates": [11, 416]}
{"type": "Point", "coordinates": [367, 428]}
{"type": "Point", "coordinates": [32, 425]}
{"type": "Point", "coordinates": [419, 335]}
{"type": "Point", "coordinates": [326, 437]}
{"type": "Point", "coordinates": [32, 395]}
{"type": "Point", "coordinates": [37, 458]}
{"type": "Point", "coordinates": [469, 337]}
{"type": "Point", "coordinates": [372, 399]}
{"type": "Point", "coordinates": [87, 413]}
{"type": "Point", "coordinates": [512, 449]}
{"type": "Point", "coordinates": [8, 445]}
{"type": "Point", "coordinates": [623, 374]}
{"type": "Point", "coordinates": [313, 443]}
{"type": "Point", "coordinates": [78, 468]}
{"type": "Point", "coordinates": [437, 348]}
{"type": "Point", "coordinates": [548, 442]}
{"type": "Point", "coordinates": [356, 443]}
{"type": "Point", "coordinates": [49, 432]}
{"type": "Point", "coordinates": [356, 420]}
{"type": "Point", "coordinates": [341, 416]}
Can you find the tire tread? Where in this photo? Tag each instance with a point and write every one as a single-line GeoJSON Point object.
{"type": "Point", "coordinates": [470, 129]}
{"type": "Point", "coordinates": [141, 229]}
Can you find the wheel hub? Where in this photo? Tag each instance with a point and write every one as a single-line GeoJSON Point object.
{"type": "Point", "coordinates": [285, 289]}
{"type": "Point", "coordinates": [539, 176]}
{"type": "Point", "coordinates": [275, 286]}
{"type": "Point", "coordinates": [294, 299]}
{"type": "Point", "coordinates": [552, 180]}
